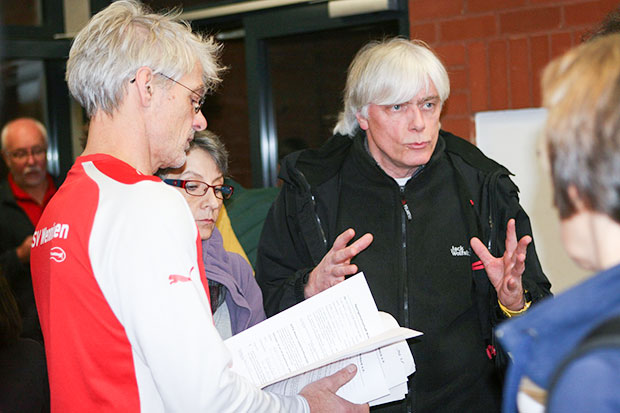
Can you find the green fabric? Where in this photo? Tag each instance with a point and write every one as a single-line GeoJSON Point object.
{"type": "Point", "coordinates": [247, 210]}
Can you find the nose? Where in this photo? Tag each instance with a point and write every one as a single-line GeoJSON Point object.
{"type": "Point", "coordinates": [416, 119]}
{"type": "Point", "coordinates": [30, 159]}
{"type": "Point", "coordinates": [209, 200]}
{"type": "Point", "coordinates": [200, 122]}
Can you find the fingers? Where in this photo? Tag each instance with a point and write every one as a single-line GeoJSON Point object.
{"type": "Point", "coordinates": [481, 251]}
{"type": "Point", "coordinates": [511, 235]}
{"type": "Point", "coordinates": [346, 254]}
{"type": "Point", "coordinates": [340, 378]}
{"type": "Point", "coordinates": [343, 239]}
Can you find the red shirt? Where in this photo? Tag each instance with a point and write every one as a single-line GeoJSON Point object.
{"type": "Point", "coordinates": [31, 207]}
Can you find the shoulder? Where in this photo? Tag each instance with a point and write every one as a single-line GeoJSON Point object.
{"type": "Point", "coordinates": [470, 154]}
{"type": "Point", "coordinates": [589, 384]}
{"type": "Point", "coordinates": [317, 165]}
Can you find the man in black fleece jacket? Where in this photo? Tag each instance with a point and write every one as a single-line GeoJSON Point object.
{"type": "Point", "coordinates": [445, 239]}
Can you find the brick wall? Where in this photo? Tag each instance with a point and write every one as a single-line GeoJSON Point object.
{"type": "Point", "coordinates": [494, 50]}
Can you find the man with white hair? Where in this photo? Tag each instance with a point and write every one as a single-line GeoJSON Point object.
{"type": "Point", "coordinates": [23, 196]}
{"type": "Point", "coordinates": [421, 196]}
{"type": "Point", "coordinates": [126, 316]}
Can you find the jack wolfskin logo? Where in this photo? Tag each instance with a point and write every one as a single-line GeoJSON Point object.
{"type": "Point", "coordinates": [459, 251]}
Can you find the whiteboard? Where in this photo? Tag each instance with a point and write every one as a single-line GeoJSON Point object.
{"type": "Point", "coordinates": [513, 138]}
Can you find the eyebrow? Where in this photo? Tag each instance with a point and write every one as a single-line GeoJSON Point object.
{"type": "Point", "coordinates": [428, 99]}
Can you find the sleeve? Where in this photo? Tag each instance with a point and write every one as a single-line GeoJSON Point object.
{"type": "Point", "coordinates": [282, 259]}
{"type": "Point", "coordinates": [589, 384]}
{"type": "Point", "coordinates": [153, 284]}
{"type": "Point", "coordinates": [11, 266]}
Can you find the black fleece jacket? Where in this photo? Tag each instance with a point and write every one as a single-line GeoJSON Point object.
{"type": "Point", "coordinates": [419, 266]}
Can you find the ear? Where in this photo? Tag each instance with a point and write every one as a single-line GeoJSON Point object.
{"type": "Point", "coordinates": [363, 122]}
{"type": "Point", "coordinates": [143, 83]}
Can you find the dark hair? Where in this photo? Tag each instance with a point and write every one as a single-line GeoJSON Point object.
{"type": "Point", "coordinates": [10, 319]}
{"type": "Point", "coordinates": [609, 25]}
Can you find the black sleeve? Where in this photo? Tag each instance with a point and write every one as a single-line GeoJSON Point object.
{"type": "Point", "coordinates": [10, 264]}
{"type": "Point", "coordinates": [281, 261]}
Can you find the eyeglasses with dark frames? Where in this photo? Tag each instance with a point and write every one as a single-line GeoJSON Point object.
{"type": "Point", "coordinates": [38, 152]}
{"type": "Point", "coordinates": [197, 103]}
{"type": "Point", "coordinates": [199, 188]}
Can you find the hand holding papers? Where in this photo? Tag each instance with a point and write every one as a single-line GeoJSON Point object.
{"type": "Point", "coordinates": [326, 332]}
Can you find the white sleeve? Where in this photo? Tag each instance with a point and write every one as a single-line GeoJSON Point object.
{"type": "Point", "coordinates": [143, 249]}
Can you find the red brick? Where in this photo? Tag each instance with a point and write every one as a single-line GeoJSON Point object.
{"type": "Point", "coordinates": [460, 126]}
{"type": "Point", "coordinates": [557, 2]}
{"type": "Point", "coordinates": [469, 28]}
{"type": "Point", "coordinates": [560, 43]}
{"type": "Point", "coordinates": [608, 5]}
{"type": "Point", "coordinates": [475, 6]}
{"type": "Point", "coordinates": [458, 79]}
{"type": "Point", "coordinates": [424, 9]}
{"type": "Point", "coordinates": [540, 57]}
{"type": "Point", "coordinates": [498, 75]}
{"type": "Point", "coordinates": [584, 14]}
{"type": "Point", "coordinates": [520, 74]}
{"type": "Point", "coordinates": [478, 76]}
{"type": "Point", "coordinates": [426, 32]}
{"type": "Point", "coordinates": [530, 20]}
{"type": "Point", "coordinates": [579, 35]}
{"type": "Point", "coordinates": [451, 54]}
{"type": "Point", "coordinates": [457, 104]}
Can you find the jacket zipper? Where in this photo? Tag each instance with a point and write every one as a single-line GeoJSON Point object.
{"type": "Point", "coordinates": [405, 216]}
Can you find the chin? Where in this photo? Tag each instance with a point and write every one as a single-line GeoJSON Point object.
{"type": "Point", "coordinates": [205, 232]}
{"type": "Point", "coordinates": [179, 162]}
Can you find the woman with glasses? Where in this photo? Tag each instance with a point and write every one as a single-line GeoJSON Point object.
{"type": "Point", "coordinates": [236, 300]}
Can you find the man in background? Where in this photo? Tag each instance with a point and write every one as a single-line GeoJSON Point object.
{"type": "Point", "coordinates": [23, 196]}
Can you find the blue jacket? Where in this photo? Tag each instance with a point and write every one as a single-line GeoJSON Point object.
{"type": "Point", "coordinates": [244, 298]}
{"type": "Point", "coordinates": [539, 340]}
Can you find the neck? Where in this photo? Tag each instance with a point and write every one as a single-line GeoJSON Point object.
{"type": "Point", "coordinates": [121, 136]}
{"type": "Point", "coordinates": [37, 192]}
{"type": "Point", "coordinates": [606, 234]}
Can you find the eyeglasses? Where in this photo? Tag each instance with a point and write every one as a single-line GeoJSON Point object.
{"type": "Point", "coordinates": [199, 188]}
{"type": "Point", "coordinates": [197, 103]}
{"type": "Point", "coordinates": [21, 154]}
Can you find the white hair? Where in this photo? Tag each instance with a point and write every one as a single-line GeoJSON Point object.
{"type": "Point", "coordinates": [125, 36]}
{"type": "Point", "coordinates": [5, 130]}
{"type": "Point", "coordinates": [388, 72]}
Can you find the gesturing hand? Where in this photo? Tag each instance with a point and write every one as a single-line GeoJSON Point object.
{"type": "Point", "coordinates": [336, 264]}
{"type": "Point", "coordinates": [505, 272]}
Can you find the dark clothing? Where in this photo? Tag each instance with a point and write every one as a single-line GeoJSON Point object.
{"type": "Point", "coordinates": [23, 378]}
{"type": "Point", "coordinates": [15, 226]}
{"type": "Point", "coordinates": [419, 266]}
